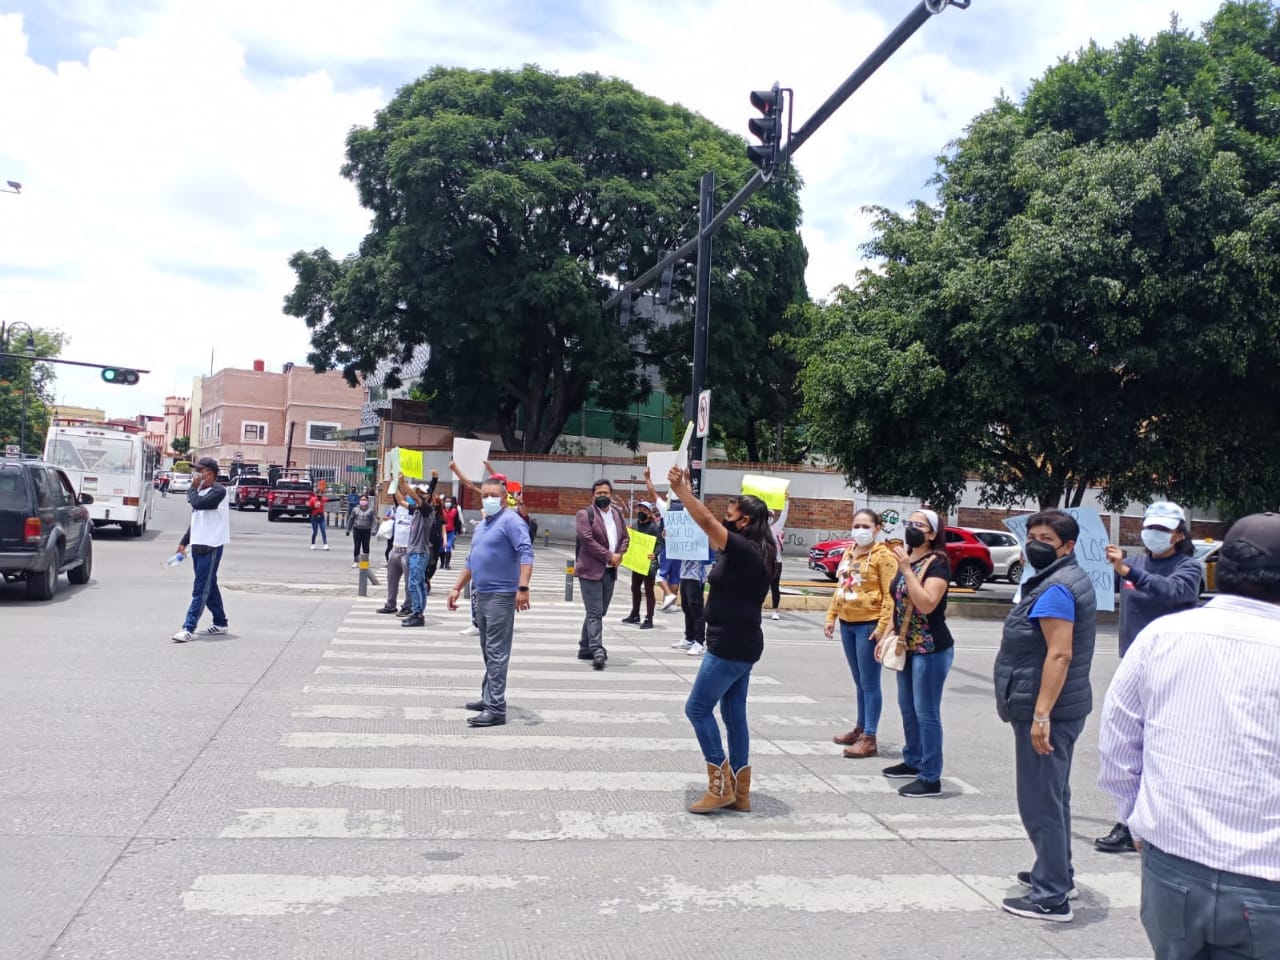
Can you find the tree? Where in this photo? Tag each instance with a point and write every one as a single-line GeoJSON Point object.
{"type": "Point", "coordinates": [181, 446]}
{"type": "Point", "coordinates": [1092, 301]}
{"type": "Point", "coordinates": [36, 380]}
{"type": "Point", "coordinates": [505, 205]}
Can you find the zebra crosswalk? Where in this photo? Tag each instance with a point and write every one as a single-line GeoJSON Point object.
{"type": "Point", "coordinates": [372, 749]}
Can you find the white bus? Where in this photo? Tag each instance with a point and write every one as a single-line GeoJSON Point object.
{"type": "Point", "coordinates": [114, 463]}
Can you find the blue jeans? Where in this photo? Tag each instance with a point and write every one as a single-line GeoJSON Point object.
{"type": "Point", "coordinates": [861, 654]}
{"type": "Point", "coordinates": [417, 582]}
{"type": "Point", "coordinates": [320, 525]}
{"type": "Point", "coordinates": [724, 682]}
{"type": "Point", "coordinates": [205, 592]}
{"type": "Point", "coordinates": [1194, 912]}
{"type": "Point", "coordinates": [920, 700]}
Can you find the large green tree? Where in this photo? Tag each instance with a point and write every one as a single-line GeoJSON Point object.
{"type": "Point", "coordinates": [35, 380]}
{"type": "Point", "coordinates": [505, 206]}
{"type": "Point", "coordinates": [1093, 299]}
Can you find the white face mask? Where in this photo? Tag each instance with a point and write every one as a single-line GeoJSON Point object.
{"type": "Point", "coordinates": [863, 536]}
{"type": "Point", "coordinates": [490, 505]}
{"type": "Point", "coordinates": [1157, 541]}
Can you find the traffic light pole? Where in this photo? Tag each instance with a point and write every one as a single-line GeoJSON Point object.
{"type": "Point", "coordinates": [701, 319]}
{"type": "Point", "coordinates": [72, 363]}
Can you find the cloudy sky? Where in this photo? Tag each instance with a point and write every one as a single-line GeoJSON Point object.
{"type": "Point", "coordinates": [173, 154]}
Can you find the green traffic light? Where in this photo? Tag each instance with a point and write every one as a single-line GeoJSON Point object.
{"type": "Point", "coordinates": [109, 375]}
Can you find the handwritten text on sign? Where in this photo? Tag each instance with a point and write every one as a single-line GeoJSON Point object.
{"type": "Point", "coordinates": [685, 539]}
{"type": "Point", "coordinates": [638, 551]}
{"type": "Point", "coordinates": [1091, 552]}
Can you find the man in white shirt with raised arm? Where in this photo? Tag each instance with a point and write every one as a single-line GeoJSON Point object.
{"type": "Point", "coordinates": [1190, 750]}
{"type": "Point", "coordinates": [209, 532]}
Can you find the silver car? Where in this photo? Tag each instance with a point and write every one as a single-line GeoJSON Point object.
{"type": "Point", "coordinates": [1006, 553]}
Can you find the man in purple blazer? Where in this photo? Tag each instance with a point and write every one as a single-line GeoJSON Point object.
{"type": "Point", "coordinates": [602, 540]}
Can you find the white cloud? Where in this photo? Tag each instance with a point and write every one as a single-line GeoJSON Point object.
{"type": "Point", "coordinates": [168, 174]}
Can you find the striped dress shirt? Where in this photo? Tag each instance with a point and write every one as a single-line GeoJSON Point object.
{"type": "Point", "coordinates": [1190, 736]}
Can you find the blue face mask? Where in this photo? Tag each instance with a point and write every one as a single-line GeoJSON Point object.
{"type": "Point", "coordinates": [412, 502]}
{"type": "Point", "coordinates": [1157, 541]}
{"type": "Point", "coordinates": [490, 505]}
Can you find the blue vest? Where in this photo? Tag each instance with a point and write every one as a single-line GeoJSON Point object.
{"type": "Point", "coordinates": [1020, 662]}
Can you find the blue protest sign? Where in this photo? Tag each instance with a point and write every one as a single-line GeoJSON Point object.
{"type": "Point", "coordinates": [1091, 552]}
{"type": "Point", "coordinates": [685, 539]}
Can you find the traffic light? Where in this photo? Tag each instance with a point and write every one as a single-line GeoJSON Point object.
{"type": "Point", "coordinates": [767, 128]}
{"type": "Point", "coordinates": [120, 375]}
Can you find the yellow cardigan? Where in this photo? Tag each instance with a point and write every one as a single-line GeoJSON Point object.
{"type": "Point", "coordinates": [872, 598]}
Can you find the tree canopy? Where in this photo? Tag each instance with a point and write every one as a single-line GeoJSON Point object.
{"type": "Point", "coordinates": [505, 206]}
{"type": "Point", "coordinates": [36, 380]}
{"type": "Point", "coordinates": [1092, 299]}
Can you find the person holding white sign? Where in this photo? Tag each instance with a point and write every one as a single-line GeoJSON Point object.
{"type": "Point", "coordinates": [735, 642]}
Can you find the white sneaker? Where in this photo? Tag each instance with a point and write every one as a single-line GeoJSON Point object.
{"type": "Point", "coordinates": [696, 650]}
{"type": "Point", "coordinates": [354, 566]}
{"type": "Point", "coordinates": [313, 546]}
{"type": "Point", "coordinates": [326, 547]}
{"type": "Point", "coordinates": [471, 631]}
{"type": "Point", "coordinates": [668, 601]}
{"type": "Point", "coordinates": [679, 644]}
{"type": "Point", "coordinates": [214, 630]}
{"type": "Point", "coordinates": [774, 616]}
{"type": "Point", "coordinates": [183, 636]}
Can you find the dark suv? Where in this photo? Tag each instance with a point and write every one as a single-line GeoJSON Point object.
{"type": "Point", "coordinates": [44, 527]}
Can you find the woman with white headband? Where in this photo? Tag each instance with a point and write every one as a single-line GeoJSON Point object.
{"type": "Point", "coordinates": [920, 619]}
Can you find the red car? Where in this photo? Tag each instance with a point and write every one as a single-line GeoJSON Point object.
{"type": "Point", "coordinates": [971, 564]}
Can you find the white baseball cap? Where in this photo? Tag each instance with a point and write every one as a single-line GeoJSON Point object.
{"type": "Point", "coordinates": [1164, 514]}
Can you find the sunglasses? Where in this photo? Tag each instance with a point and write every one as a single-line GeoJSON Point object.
{"type": "Point", "coordinates": [918, 524]}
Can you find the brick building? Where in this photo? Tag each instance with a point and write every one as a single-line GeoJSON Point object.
{"type": "Point", "coordinates": [260, 418]}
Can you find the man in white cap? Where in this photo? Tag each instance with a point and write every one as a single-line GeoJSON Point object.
{"type": "Point", "coordinates": [1189, 750]}
{"type": "Point", "coordinates": [209, 532]}
{"type": "Point", "coordinates": [1163, 579]}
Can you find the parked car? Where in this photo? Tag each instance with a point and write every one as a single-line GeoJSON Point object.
{"type": "Point", "coordinates": [1006, 553]}
{"type": "Point", "coordinates": [288, 498]}
{"type": "Point", "coordinates": [249, 491]}
{"type": "Point", "coordinates": [970, 559]}
{"type": "Point", "coordinates": [45, 529]}
{"type": "Point", "coordinates": [179, 482]}
{"type": "Point", "coordinates": [1206, 551]}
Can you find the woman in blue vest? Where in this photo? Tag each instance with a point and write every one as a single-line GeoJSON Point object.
{"type": "Point", "coordinates": [1043, 691]}
{"type": "Point", "coordinates": [1163, 579]}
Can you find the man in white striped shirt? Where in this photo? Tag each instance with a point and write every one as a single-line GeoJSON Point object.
{"type": "Point", "coordinates": [1190, 749]}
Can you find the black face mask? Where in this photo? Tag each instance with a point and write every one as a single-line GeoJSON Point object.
{"type": "Point", "coordinates": [731, 526]}
{"type": "Point", "coordinates": [914, 537]}
{"type": "Point", "coordinates": [602, 503]}
{"type": "Point", "coordinates": [644, 518]}
{"type": "Point", "coordinates": [1040, 554]}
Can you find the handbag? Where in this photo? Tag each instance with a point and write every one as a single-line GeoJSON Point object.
{"type": "Point", "coordinates": [385, 530]}
{"type": "Point", "coordinates": [892, 648]}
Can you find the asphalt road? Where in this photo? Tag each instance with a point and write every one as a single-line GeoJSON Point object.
{"type": "Point", "coordinates": [306, 787]}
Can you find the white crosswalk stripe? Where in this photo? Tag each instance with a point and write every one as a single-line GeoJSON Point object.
{"type": "Point", "coordinates": [517, 692]}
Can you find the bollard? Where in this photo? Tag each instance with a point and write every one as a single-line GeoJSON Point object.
{"type": "Point", "coordinates": [366, 576]}
{"type": "Point", "coordinates": [546, 538]}
{"type": "Point", "coordinates": [568, 582]}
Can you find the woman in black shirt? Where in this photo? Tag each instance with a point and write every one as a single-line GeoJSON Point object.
{"type": "Point", "coordinates": [920, 618]}
{"type": "Point", "coordinates": [739, 583]}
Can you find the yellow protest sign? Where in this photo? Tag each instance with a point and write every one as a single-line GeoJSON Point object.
{"type": "Point", "coordinates": [411, 464]}
{"type": "Point", "coordinates": [637, 556]}
{"type": "Point", "coordinates": [772, 490]}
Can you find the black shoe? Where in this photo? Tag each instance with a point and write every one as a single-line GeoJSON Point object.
{"type": "Point", "coordinates": [476, 705]}
{"type": "Point", "coordinates": [598, 661]}
{"type": "Point", "coordinates": [921, 788]}
{"type": "Point", "coordinates": [634, 618]}
{"type": "Point", "coordinates": [413, 620]}
{"type": "Point", "coordinates": [585, 655]}
{"type": "Point", "coordinates": [1024, 878]}
{"type": "Point", "coordinates": [486, 719]}
{"type": "Point", "coordinates": [648, 624]}
{"type": "Point", "coordinates": [900, 771]}
{"type": "Point", "coordinates": [1119, 840]}
{"type": "Point", "coordinates": [405, 611]}
{"type": "Point", "coordinates": [386, 609]}
{"type": "Point", "coordinates": [1026, 907]}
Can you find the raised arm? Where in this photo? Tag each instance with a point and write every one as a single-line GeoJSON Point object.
{"type": "Point", "coordinates": [717, 535]}
{"type": "Point", "coordinates": [462, 478]}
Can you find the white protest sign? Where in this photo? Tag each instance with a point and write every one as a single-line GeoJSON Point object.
{"type": "Point", "coordinates": [391, 465]}
{"type": "Point", "coordinates": [470, 456]}
{"type": "Point", "coordinates": [684, 538]}
{"type": "Point", "coordinates": [1091, 552]}
{"type": "Point", "coordinates": [660, 465]}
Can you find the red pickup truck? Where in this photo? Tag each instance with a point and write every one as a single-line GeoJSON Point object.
{"type": "Point", "coordinates": [288, 498]}
{"type": "Point", "coordinates": [249, 491]}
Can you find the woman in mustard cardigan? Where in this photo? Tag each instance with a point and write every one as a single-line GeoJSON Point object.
{"type": "Point", "coordinates": [863, 604]}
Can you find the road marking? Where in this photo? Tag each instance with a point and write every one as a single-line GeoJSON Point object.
{"type": "Point", "coordinates": [375, 712]}
{"type": "Point", "coordinates": [570, 781]}
{"type": "Point", "coordinates": [277, 894]}
{"type": "Point", "coordinates": [625, 675]}
{"type": "Point", "coordinates": [455, 693]}
{"type": "Point", "coordinates": [567, 656]}
{"type": "Point", "coordinates": [303, 822]}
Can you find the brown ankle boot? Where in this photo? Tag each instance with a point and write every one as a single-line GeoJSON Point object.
{"type": "Point", "coordinates": [719, 790]}
{"type": "Point", "coordinates": [865, 747]}
{"type": "Point", "coordinates": [847, 739]}
{"type": "Point", "coordinates": [742, 789]}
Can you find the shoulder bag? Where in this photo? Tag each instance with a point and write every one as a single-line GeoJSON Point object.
{"type": "Point", "coordinates": [892, 648]}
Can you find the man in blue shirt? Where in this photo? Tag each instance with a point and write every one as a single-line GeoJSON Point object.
{"type": "Point", "coordinates": [498, 568]}
{"type": "Point", "coordinates": [1043, 691]}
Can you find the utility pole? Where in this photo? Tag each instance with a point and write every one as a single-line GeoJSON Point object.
{"type": "Point", "coordinates": [701, 318]}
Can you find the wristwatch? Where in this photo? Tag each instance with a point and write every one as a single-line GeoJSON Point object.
{"type": "Point", "coordinates": [523, 589]}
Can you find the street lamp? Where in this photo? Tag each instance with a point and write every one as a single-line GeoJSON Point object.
{"type": "Point", "coordinates": [29, 348]}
